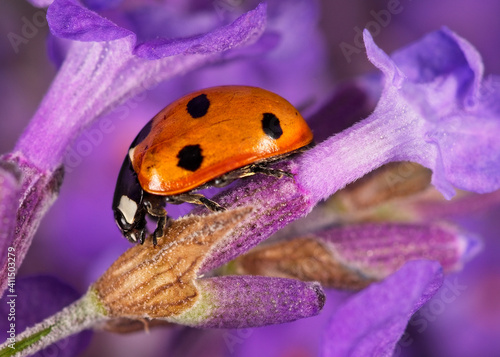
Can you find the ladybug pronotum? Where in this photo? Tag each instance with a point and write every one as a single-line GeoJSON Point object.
{"type": "Point", "coordinates": [207, 138]}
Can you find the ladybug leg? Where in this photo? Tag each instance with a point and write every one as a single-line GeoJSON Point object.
{"type": "Point", "coordinates": [155, 208]}
{"type": "Point", "coordinates": [199, 199]}
{"type": "Point", "coordinates": [160, 228]}
{"type": "Point", "coordinates": [211, 205]}
{"type": "Point", "coordinates": [250, 170]}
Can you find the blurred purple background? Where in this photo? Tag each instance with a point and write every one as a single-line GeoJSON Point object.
{"type": "Point", "coordinates": [78, 238]}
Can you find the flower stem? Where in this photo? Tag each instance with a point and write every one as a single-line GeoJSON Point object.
{"type": "Point", "coordinates": [80, 315]}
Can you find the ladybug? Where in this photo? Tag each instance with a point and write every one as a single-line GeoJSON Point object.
{"type": "Point", "coordinates": [207, 138]}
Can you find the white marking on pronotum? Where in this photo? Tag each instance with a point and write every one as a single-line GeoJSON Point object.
{"type": "Point", "coordinates": [128, 207]}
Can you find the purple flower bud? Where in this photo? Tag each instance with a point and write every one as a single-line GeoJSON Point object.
{"type": "Point", "coordinates": [377, 250]}
{"type": "Point", "coordinates": [250, 301]}
{"type": "Point", "coordinates": [355, 256]}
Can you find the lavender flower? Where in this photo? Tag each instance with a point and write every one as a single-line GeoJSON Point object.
{"type": "Point", "coordinates": [112, 68]}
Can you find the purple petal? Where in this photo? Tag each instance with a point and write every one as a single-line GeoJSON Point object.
{"type": "Point", "coordinates": [34, 299]}
{"type": "Point", "coordinates": [371, 323]}
{"type": "Point", "coordinates": [218, 40]}
{"type": "Point", "coordinates": [249, 301]}
{"type": "Point", "coordinates": [451, 56]}
{"type": "Point", "coordinates": [444, 73]}
{"type": "Point", "coordinates": [470, 151]}
{"type": "Point", "coordinates": [69, 19]}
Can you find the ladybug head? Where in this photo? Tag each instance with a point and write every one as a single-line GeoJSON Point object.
{"type": "Point", "coordinates": [128, 206]}
{"type": "Point", "coordinates": [134, 231]}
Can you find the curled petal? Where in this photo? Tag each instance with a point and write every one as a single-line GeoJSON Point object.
{"type": "Point", "coordinates": [442, 91]}
{"type": "Point", "coordinates": [69, 19]}
{"type": "Point", "coordinates": [250, 301]}
{"type": "Point", "coordinates": [216, 41]}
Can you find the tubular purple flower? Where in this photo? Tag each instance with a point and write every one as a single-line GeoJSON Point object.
{"type": "Point", "coordinates": [432, 111]}
{"type": "Point", "coordinates": [104, 71]}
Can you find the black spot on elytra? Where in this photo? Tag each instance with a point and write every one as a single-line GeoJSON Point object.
{"type": "Point", "coordinates": [271, 126]}
{"type": "Point", "coordinates": [190, 157]}
{"type": "Point", "coordinates": [198, 106]}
